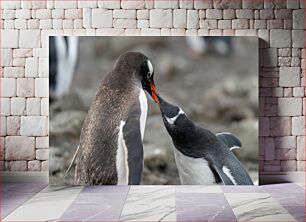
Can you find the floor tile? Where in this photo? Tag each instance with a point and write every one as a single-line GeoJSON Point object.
{"type": "Point", "coordinates": [198, 189]}
{"type": "Point", "coordinates": [149, 203]}
{"type": "Point", "coordinates": [283, 188]}
{"type": "Point", "coordinates": [101, 203]}
{"type": "Point", "coordinates": [49, 204]}
{"type": "Point", "coordinates": [298, 212]}
{"type": "Point", "coordinates": [15, 194]}
{"type": "Point", "coordinates": [203, 207]}
{"type": "Point", "coordinates": [22, 187]}
{"type": "Point", "coordinates": [257, 207]}
{"type": "Point", "coordinates": [242, 189]}
{"type": "Point", "coordinates": [292, 199]}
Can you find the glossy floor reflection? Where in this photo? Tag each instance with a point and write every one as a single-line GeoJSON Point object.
{"type": "Point", "coordinates": [39, 202]}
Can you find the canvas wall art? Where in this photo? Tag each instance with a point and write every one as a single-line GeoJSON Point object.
{"type": "Point", "coordinates": [153, 110]}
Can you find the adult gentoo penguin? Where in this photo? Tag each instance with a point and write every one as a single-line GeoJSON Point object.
{"type": "Point", "coordinates": [110, 151]}
{"type": "Point", "coordinates": [201, 156]}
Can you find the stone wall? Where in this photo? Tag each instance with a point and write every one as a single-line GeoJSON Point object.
{"type": "Point", "coordinates": [25, 26]}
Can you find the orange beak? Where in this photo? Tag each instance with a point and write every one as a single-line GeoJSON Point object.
{"type": "Point", "coordinates": [154, 92]}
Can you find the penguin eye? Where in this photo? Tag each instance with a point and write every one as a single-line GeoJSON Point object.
{"type": "Point", "coordinates": [149, 75]}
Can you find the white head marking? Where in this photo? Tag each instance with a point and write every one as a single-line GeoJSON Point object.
{"type": "Point", "coordinates": [150, 67]}
{"type": "Point", "coordinates": [173, 119]}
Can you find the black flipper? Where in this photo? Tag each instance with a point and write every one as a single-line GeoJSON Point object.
{"type": "Point", "coordinates": [133, 140]}
{"type": "Point", "coordinates": [230, 140]}
{"type": "Point", "coordinates": [225, 179]}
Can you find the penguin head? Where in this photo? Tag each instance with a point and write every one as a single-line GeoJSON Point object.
{"type": "Point", "coordinates": [174, 117]}
{"type": "Point", "coordinates": [142, 66]}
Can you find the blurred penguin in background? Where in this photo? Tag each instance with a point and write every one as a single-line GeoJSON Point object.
{"type": "Point", "coordinates": [63, 53]}
{"type": "Point", "coordinates": [200, 45]}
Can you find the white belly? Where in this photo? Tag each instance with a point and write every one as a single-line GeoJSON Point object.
{"type": "Point", "coordinates": [193, 171]}
{"type": "Point", "coordinates": [144, 109]}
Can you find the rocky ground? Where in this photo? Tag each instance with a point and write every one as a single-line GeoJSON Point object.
{"type": "Point", "coordinates": [220, 93]}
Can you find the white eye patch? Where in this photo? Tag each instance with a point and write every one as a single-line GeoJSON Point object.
{"type": "Point", "coordinates": [173, 119]}
{"type": "Point", "coordinates": [150, 66]}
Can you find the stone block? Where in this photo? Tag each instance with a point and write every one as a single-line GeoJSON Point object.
{"type": "Point", "coordinates": [240, 24]}
{"type": "Point", "coordinates": [283, 13]}
{"type": "Point", "coordinates": [179, 18]}
{"type": "Point", "coordinates": [270, 57]}
{"type": "Point", "coordinates": [301, 165]}
{"type": "Point", "coordinates": [86, 18]}
{"type": "Point", "coordinates": [43, 13]}
{"type": "Point", "coordinates": [192, 19]}
{"type": "Point", "coordinates": [298, 126]}
{"type": "Point", "coordinates": [42, 142]}
{"type": "Point", "coordinates": [132, 4]}
{"type": "Point", "coordinates": [13, 72]}
{"type": "Point", "coordinates": [293, 4]}
{"type": "Point", "coordinates": [224, 24]}
{"type": "Point", "coordinates": [8, 14]}
{"type": "Point", "coordinates": [203, 4]}
{"type": "Point", "coordinates": [269, 149]}
{"type": "Point", "coordinates": [125, 23]}
{"type": "Point", "coordinates": [87, 4]}
{"type": "Point", "coordinates": [124, 14]}
{"type": "Point", "coordinates": [143, 14]}
{"type": "Point", "coordinates": [214, 14]}
{"type": "Point", "coordinates": [150, 32]}
{"type": "Point", "coordinates": [33, 106]}
{"type": "Point", "coordinates": [42, 154]}
{"type": "Point", "coordinates": [73, 13]}
{"type": "Point", "coordinates": [65, 4]}
{"type": "Point", "coordinates": [31, 67]}
{"type": "Point", "coordinates": [228, 14]}
{"type": "Point", "coordinates": [289, 106]}
{"type": "Point", "coordinates": [289, 76]}
{"type": "Point", "coordinates": [142, 24]}
{"type": "Point", "coordinates": [18, 166]}
{"type": "Point", "coordinates": [19, 62]}
{"type": "Point", "coordinates": [3, 132]}
{"type": "Point", "coordinates": [266, 14]}
{"type": "Point", "coordinates": [8, 87]}
{"type": "Point", "coordinates": [285, 154]}
{"type": "Point", "coordinates": [280, 38]}
{"type": "Point", "coordinates": [19, 148]}
{"type": "Point", "coordinates": [9, 38]}
{"type": "Point", "coordinates": [166, 4]}
{"type": "Point", "coordinates": [252, 4]}
{"type": "Point", "coordinates": [285, 142]}
{"type": "Point", "coordinates": [58, 13]}
{"type": "Point", "coordinates": [10, 5]}
{"type": "Point", "coordinates": [109, 4]}
{"type": "Point", "coordinates": [18, 106]}
{"type": "Point", "coordinates": [29, 38]}
{"type": "Point", "coordinates": [44, 107]}
{"type": "Point", "coordinates": [6, 57]}
{"type": "Point", "coordinates": [34, 126]}
{"type": "Point", "coordinates": [23, 14]}
{"type": "Point", "coordinates": [45, 166]}
{"type": "Point", "coordinates": [298, 92]}
{"type": "Point", "coordinates": [25, 87]}
{"type": "Point", "coordinates": [298, 38]}
{"type": "Point", "coordinates": [301, 148]}
{"type": "Point", "coordinates": [41, 87]}
{"type": "Point", "coordinates": [245, 14]}
{"type": "Point", "coordinates": [13, 125]}
{"type": "Point", "coordinates": [102, 18]}
{"type": "Point", "coordinates": [34, 165]}
{"type": "Point", "coordinates": [280, 126]}
{"type": "Point", "coordinates": [227, 4]}
{"type": "Point", "coordinates": [165, 32]}
{"type": "Point", "coordinates": [186, 4]}
{"type": "Point", "coordinates": [20, 23]}
{"type": "Point", "coordinates": [160, 18]}
{"type": "Point", "coordinates": [264, 38]}
{"type": "Point", "coordinates": [5, 106]}
{"type": "Point", "coordinates": [43, 67]}
{"type": "Point", "coordinates": [288, 165]}
{"type": "Point", "coordinates": [178, 32]}
{"type": "Point", "coordinates": [299, 19]}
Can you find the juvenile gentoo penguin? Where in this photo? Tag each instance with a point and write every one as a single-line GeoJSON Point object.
{"type": "Point", "coordinates": [202, 157]}
{"type": "Point", "coordinates": [110, 150]}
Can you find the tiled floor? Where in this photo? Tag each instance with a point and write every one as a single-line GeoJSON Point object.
{"type": "Point", "coordinates": [39, 202]}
